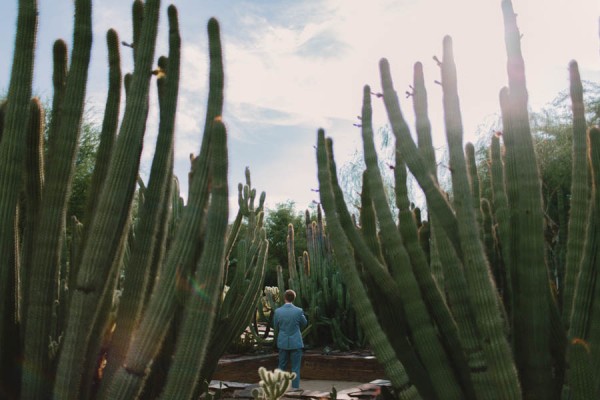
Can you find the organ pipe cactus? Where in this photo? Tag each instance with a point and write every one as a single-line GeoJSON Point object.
{"type": "Point", "coordinates": [106, 346]}
{"type": "Point", "coordinates": [527, 224]}
{"type": "Point", "coordinates": [48, 235]}
{"type": "Point", "coordinates": [584, 327]}
{"type": "Point", "coordinates": [236, 307]}
{"type": "Point", "coordinates": [155, 199]}
{"type": "Point", "coordinates": [320, 290]}
{"type": "Point", "coordinates": [579, 193]}
{"type": "Point", "coordinates": [405, 381]}
{"type": "Point", "coordinates": [487, 255]}
{"type": "Point", "coordinates": [102, 245]}
{"type": "Point", "coordinates": [12, 150]}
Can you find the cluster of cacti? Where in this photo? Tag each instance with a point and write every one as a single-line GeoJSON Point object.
{"type": "Point", "coordinates": [271, 299]}
{"type": "Point", "coordinates": [320, 290]}
{"type": "Point", "coordinates": [272, 384]}
{"type": "Point", "coordinates": [473, 314]}
{"type": "Point", "coordinates": [123, 308]}
{"type": "Point", "coordinates": [239, 304]}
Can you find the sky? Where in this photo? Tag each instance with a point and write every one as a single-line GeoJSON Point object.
{"type": "Point", "coordinates": [293, 66]}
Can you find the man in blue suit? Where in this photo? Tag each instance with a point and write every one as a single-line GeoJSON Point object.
{"type": "Point", "coordinates": [288, 322]}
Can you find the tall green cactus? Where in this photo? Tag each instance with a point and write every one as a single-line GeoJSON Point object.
{"type": "Point", "coordinates": [168, 240]}
{"type": "Point", "coordinates": [12, 147]}
{"type": "Point", "coordinates": [382, 347]}
{"type": "Point", "coordinates": [155, 199]}
{"type": "Point", "coordinates": [34, 183]}
{"type": "Point", "coordinates": [488, 251]}
{"type": "Point", "coordinates": [111, 216]}
{"type": "Point", "coordinates": [49, 233]}
{"type": "Point", "coordinates": [239, 303]}
{"type": "Point", "coordinates": [477, 271]}
{"type": "Point", "coordinates": [584, 328]}
{"type": "Point", "coordinates": [579, 194]}
{"type": "Point", "coordinates": [201, 307]}
{"type": "Point", "coordinates": [527, 230]}
{"type": "Point", "coordinates": [320, 289]}
{"type": "Point", "coordinates": [502, 220]}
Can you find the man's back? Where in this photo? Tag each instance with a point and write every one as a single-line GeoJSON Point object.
{"type": "Point", "coordinates": [289, 320]}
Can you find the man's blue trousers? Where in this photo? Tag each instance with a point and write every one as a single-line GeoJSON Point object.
{"type": "Point", "coordinates": [295, 356]}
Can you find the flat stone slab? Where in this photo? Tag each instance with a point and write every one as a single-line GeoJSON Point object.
{"type": "Point", "coordinates": [315, 365]}
{"type": "Point", "coordinates": [221, 385]}
{"type": "Point", "coordinates": [365, 391]}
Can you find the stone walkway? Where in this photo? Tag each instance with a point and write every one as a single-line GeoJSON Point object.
{"type": "Point", "coordinates": [311, 389]}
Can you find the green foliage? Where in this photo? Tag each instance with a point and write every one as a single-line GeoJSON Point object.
{"type": "Point", "coordinates": [84, 168]}
{"type": "Point", "coordinates": [276, 224]}
{"type": "Point", "coordinates": [312, 272]}
{"type": "Point", "coordinates": [351, 171]}
{"type": "Point", "coordinates": [85, 161]}
{"type": "Point", "coordinates": [321, 292]}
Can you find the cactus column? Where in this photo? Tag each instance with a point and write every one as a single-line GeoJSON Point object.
{"type": "Point", "coordinates": [12, 146]}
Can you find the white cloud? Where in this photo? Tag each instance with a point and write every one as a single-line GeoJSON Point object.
{"type": "Point", "coordinates": [194, 68]}
{"type": "Point", "coordinates": [292, 67]}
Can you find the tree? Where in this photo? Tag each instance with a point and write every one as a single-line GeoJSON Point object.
{"type": "Point", "coordinates": [351, 172]}
{"type": "Point", "coordinates": [84, 167]}
{"type": "Point", "coordinates": [89, 140]}
{"type": "Point", "coordinates": [276, 224]}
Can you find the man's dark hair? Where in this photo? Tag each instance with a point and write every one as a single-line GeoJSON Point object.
{"type": "Point", "coordinates": [289, 296]}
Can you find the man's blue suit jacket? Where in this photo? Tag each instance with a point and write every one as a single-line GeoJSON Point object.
{"type": "Point", "coordinates": [289, 320]}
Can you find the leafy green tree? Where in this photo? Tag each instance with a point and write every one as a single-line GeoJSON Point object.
{"type": "Point", "coordinates": [89, 140]}
{"type": "Point", "coordinates": [276, 224]}
{"type": "Point", "coordinates": [351, 172]}
{"type": "Point", "coordinates": [84, 167]}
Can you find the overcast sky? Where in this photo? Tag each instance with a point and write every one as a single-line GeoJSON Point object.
{"type": "Point", "coordinates": [293, 66]}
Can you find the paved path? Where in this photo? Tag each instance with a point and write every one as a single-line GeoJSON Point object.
{"type": "Point", "coordinates": [309, 388]}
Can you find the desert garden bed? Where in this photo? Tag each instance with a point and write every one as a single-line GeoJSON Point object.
{"type": "Point", "coordinates": [342, 366]}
